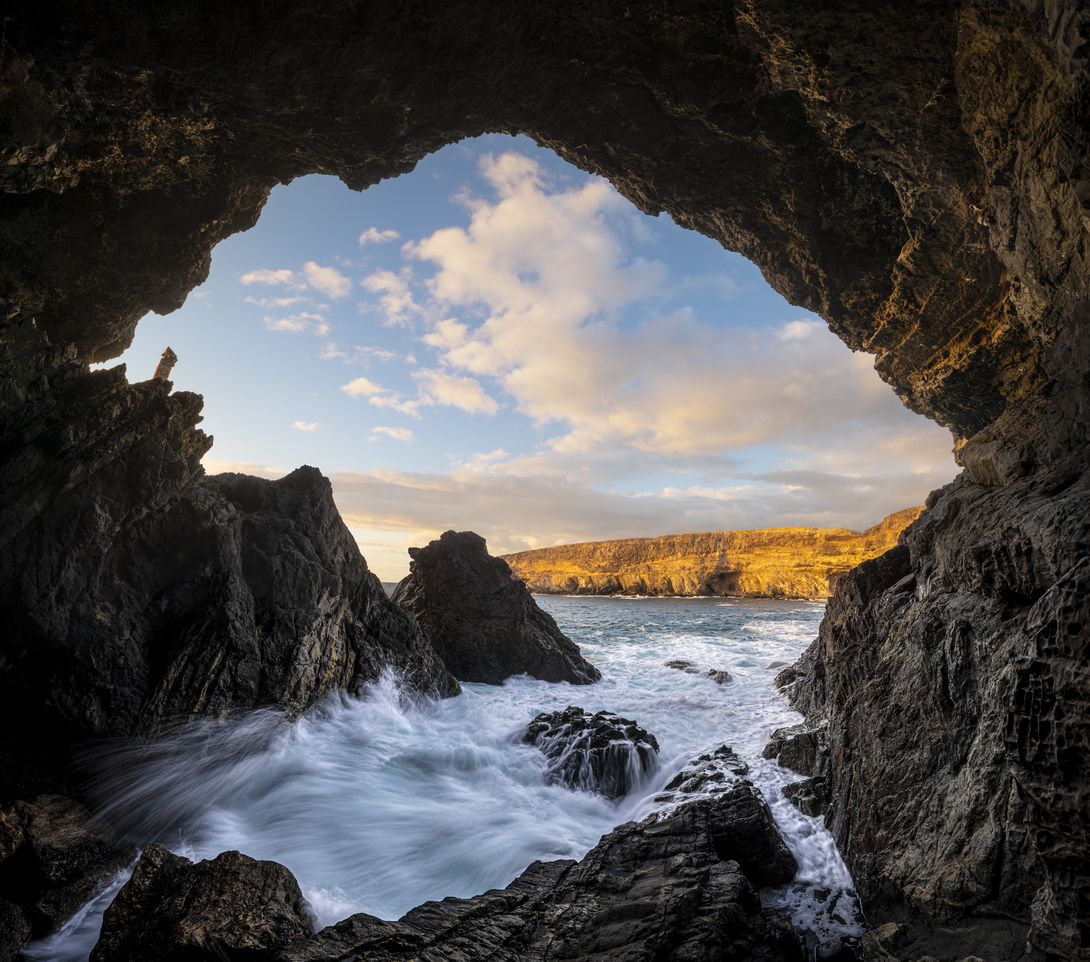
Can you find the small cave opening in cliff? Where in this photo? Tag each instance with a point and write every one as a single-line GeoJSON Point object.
{"type": "Point", "coordinates": [500, 342]}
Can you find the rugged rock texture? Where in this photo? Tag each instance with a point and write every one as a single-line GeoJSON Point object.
{"type": "Point", "coordinates": [915, 172]}
{"type": "Point", "coordinates": [719, 675]}
{"type": "Point", "coordinates": [53, 857]}
{"type": "Point", "coordinates": [976, 631]}
{"type": "Point", "coordinates": [679, 888]}
{"type": "Point", "coordinates": [601, 753]}
{"type": "Point", "coordinates": [133, 589]}
{"type": "Point", "coordinates": [232, 907]}
{"type": "Point", "coordinates": [768, 563]}
{"type": "Point", "coordinates": [481, 620]}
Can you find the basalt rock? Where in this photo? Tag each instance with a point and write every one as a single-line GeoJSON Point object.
{"type": "Point", "coordinates": [53, 857]}
{"type": "Point", "coordinates": [953, 673]}
{"type": "Point", "coordinates": [802, 748]}
{"type": "Point", "coordinates": [916, 173]}
{"type": "Point", "coordinates": [135, 590]}
{"type": "Point", "coordinates": [483, 622]}
{"type": "Point", "coordinates": [232, 907]}
{"type": "Point", "coordinates": [601, 753]}
{"type": "Point", "coordinates": [683, 887]}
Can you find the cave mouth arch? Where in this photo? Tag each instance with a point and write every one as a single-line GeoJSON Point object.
{"type": "Point", "coordinates": [913, 174]}
{"type": "Point", "coordinates": [496, 326]}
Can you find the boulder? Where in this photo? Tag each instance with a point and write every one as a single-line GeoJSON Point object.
{"type": "Point", "coordinates": [601, 753]}
{"type": "Point", "coordinates": [482, 621]}
{"type": "Point", "coordinates": [712, 773]}
{"type": "Point", "coordinates": [231, 907]}
{"type": "Point", "coordinates": [53, 857]}
{"type": "Point", "coordinates": [802, 748]}
{"type": "Point", "coordinates": [718, 675]}
{"type": "Point", "coordinates": [680, 887]}
{"type": "Point", "coordinates": [810, 796]}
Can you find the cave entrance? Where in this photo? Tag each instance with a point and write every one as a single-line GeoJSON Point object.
{"type": "Point", "coordinates": [500, 341]}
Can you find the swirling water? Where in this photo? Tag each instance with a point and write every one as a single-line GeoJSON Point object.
{"type": "Point", "coordinates": [380, 802]}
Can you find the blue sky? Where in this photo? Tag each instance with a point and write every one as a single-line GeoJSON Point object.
{"type": "Point", "coordinates": [498, 341]}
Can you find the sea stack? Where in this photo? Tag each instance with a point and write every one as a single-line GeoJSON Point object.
{"type": "Point", "coordinates": [481, 620]}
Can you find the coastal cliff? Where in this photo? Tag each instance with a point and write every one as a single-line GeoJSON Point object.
{"type": "Point", "coordinates": [765, 563]}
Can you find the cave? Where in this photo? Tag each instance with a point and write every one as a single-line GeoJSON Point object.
{"type": "Point", "coordinates": [915, 174]}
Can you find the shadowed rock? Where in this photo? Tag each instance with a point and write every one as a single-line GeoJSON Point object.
{"type": "Point", "coordinates": [677, 889]}
{"type": "Point", "coordinates": [601, 753]}
{"type": "Point", "coordinates": [232, 907]}
{"type": "Point", "coordinates": [481, 620]}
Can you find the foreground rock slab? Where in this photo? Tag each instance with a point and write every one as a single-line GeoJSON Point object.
{"type": "Point", "coordinates": [683, 887]}
{"type": "Point", "coordinates": [481, 620]}
{"type": "Point", "coordinates": [601, 753]}
{"type": "Point", "coordinates": [231, 907]}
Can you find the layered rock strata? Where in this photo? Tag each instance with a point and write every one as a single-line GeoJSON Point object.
{"type": "Point", "coordinates": [768, 563]}
{"type": "Point", "coordinates": [483, 622]}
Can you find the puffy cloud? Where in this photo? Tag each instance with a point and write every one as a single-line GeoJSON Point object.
{"type": "Point", "coordinates": [299, 322]}
{"type": "Point", "coordinates": [327, 280]}
{"type": "Point", "coordinates": [464, 393]}
{"type": "Point", "coordinates": [281, 276]}
{"type": "Point", "coordinates": [372, 235]}
{"type": "Point", "coordinates": [396, 301]}
{"type": "Point", "coordinates": [307, 426]}
{"type": "Point", "coordinates": [363, 387]}
{"type": "Point", "coordinates": [274, 302]}
{"type": "Point", "coordinates": [395, 434]}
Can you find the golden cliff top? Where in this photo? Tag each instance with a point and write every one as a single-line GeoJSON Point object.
{"type": "Point", "coordinates": [767, 562]}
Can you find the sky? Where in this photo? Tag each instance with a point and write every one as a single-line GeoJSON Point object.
{"type": "Point", "coordinates": [500, 342]}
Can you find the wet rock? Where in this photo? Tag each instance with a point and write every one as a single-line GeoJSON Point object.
{"type": "Point", "coordinates": [136, 590]}
{"type": "Point", "coordinates": [231, 907]}
{"type": "Point", "coordinates": [683, 887]}
{"type": "Point", "coordinates": [773, 665]}
{"type": "Point", "coordinates": [53, 857]}
{"type": "Point", "coordinates": [810, 796]}
{"type": "Point", "coordinates": [802, 748]}
{"type": "Point", "coordinates": [717, 675]}
{"type": "Point", "coordinates": [710, 774]}
{"type": "Point", "coordinates": [481, 620]}
{"type": "Point", "coordinates": [601, 753]}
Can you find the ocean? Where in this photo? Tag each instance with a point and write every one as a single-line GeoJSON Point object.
{"type": "Point", "coordinates": [380, 802]}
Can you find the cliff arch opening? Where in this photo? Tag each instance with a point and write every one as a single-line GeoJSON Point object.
{"type": "Point", "coordinates": [914, 175]}
{"type": "Point", "coordinates": [512, 335]}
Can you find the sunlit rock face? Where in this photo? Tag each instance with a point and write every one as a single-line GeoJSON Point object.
{"type": "Point", "coordinates": [916, 173]}
{"type": "Point", "coordinates": [768, 563]}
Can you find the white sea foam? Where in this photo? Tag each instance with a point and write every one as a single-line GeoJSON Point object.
{"type": "Point", "coordinates": [381, 802]}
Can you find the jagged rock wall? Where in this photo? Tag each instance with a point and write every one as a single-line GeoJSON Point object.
{"type": "Point", "coordinates": [914, 172]}
{"type": "Point", "coordinates": [767, 563]}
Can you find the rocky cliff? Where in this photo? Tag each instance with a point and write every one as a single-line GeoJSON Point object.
{"type": "Point", "coordinates": [480, 620]}
{"type": "Point", "coordinates": [135, 590]}
{"type": "Point", "coordinates": [765, 563]}
{"type": "Point", "coordinates": [916, 173]}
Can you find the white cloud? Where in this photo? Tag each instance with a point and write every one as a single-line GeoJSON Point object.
{"type": "Point", "coordinates": [298, 323]}
{"type": "Point", "coordinates": [395, 434]}
{"type": "Point", "coordinates": [801, 329]}
{"type": "Point", "coordinates": [395, 402]}
{"type": "Point", "coordinates": [396, 301]}
{"type": "Point", "coordinates": [363, 387]}
{"type": "Point", "coordinates": [307, 426]}
{"type": "Point", "coordinates": [327, 280]}
{"type": "Point", "coordinates": [274, 302]}
{"type": "Point", "coordinates": [281, 276]}
{"type": "Point", "coordinates": [450, 390]}
{"type": "Point", "coordinates": [372, 235]}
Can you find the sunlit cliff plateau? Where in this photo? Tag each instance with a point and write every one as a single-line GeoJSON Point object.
{"type": "Point", "coordinates": [761, 563]}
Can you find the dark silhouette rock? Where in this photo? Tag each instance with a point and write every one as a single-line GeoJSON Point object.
{"type": "Point", "coordinates": [915, 173]}
{"type": "Point", "coordinates": [710, 774]}
{"type": "Point", "coordinates": [683, 887]}
{"type": "Point", "coordinates": [231, 907]}
{"type": "Point", "coordinates": [718, 675]}
{"type": "Point", "coordinates": [136, 590]}
{"type": "Point", "coordinates": [481, 620]}
{"type": "Point", "coordinates": [53, 857]}
{"type": "Point", "coordinates": [601, 753]}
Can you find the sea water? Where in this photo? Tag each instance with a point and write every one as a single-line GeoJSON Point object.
{"type": "Point", "coordinates": [379, 802]}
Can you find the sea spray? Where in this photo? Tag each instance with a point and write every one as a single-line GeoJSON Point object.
{"type": "Point", "coordinates": [380, 802]}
